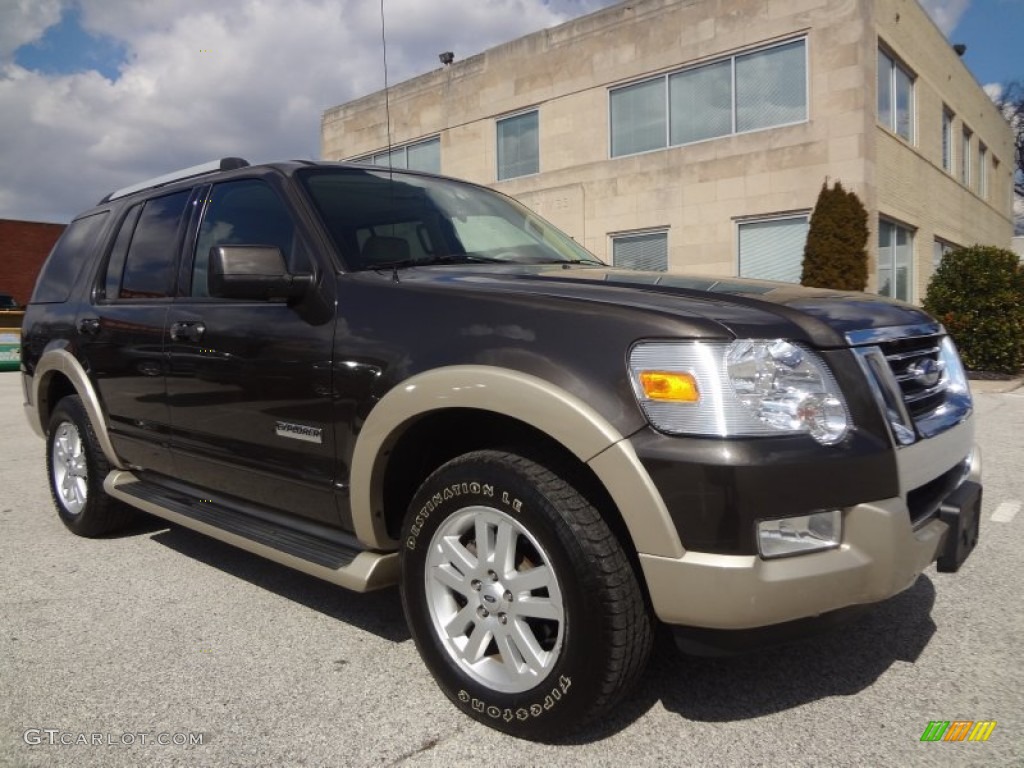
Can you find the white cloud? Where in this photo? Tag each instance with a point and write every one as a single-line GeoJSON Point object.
{"type": "Point", "coordinates": [946, 13]}
{"type": "Point", "coordinates": [25, 22]}
{"type": "Point", "coordinates": [204, 80]}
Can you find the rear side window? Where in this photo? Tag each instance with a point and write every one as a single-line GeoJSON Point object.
{"type": "Point", "coordinates": [149, 265]}
{"type": "Point", "coordinates": [69, 255]}
{"type": "Point", "coordinates": [115, 264]}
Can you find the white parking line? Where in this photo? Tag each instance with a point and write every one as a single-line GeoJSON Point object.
{"type": "Point", "coordinates": [1005, 512]}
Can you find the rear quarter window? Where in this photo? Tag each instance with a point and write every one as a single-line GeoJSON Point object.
{"type": "Point", "coordinates": [76, 247]}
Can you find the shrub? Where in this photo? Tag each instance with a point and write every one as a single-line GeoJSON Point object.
{"type": "Point", "coordinates": [978, 294]}
{"type": "Point", "coordinates": [835, 255]}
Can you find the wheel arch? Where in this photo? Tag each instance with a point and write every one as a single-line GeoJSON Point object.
{"type": "Point", "coordinates": [57, 375]}
{"type": "Point", "coordinates": [508, 403]}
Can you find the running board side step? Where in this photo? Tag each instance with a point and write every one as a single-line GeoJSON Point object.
{"type": "Point", "coordinates": [357, 569]}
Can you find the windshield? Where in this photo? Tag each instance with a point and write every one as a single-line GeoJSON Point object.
{"type": "Point", "coordinates": [379, 221]}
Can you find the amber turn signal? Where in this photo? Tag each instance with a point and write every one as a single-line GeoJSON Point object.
{"type": "Point", "coordinates": [669, 386]}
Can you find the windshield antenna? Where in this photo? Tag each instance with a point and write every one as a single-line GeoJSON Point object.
{"type": "Point", "coordinates": [387, 103]}
{"type": "Point", "coordinates": [387, 120]}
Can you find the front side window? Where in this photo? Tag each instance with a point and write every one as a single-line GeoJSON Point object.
{"type": "Point", "coordinates": [518, 146]}
{"type": "Point", "coordinates": [895, 96]}
{"type": "Point", "coordinates": [895, 257]}
{"type": "Point", "coordinates": [645, 251]}
{"type": "Point", "coordinates": [149, 264]}
{"type": "Point", "coordinates": [773, 249]}
{"type": "Point", "coordinates": [245, 212]}
{"type": "Point", "coordinates": [745, 92]}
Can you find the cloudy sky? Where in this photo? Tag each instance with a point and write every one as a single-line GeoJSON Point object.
{"type": "Point", "coordinates": [97, 94]}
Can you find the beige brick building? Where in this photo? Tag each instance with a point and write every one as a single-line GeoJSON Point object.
{"type": "Point", "coordinates": [696, 134]}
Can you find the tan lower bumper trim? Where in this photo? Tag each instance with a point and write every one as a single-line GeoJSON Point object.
{"type": "Point", "coordinates": [881, 555]}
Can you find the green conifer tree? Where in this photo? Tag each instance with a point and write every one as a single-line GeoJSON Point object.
{"type": "Point", "coordinates": [835, 255]}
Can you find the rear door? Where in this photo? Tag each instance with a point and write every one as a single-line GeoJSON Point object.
{"type": "Point", "coordinates": [249, 384]}
{"type": "Point", "coordinates": [122, 332]}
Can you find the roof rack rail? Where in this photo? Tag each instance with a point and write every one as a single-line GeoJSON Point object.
{"type": "Point", "coordinates": [224, 164]}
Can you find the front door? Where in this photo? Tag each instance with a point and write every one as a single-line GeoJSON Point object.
{"type": "Point", "coordinates": [249, 382]}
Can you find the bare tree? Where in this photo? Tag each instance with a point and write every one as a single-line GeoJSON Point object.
{"type": "Point", "coordinates": [1011, 103]}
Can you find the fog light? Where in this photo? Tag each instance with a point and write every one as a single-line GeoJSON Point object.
{"type": "Point", "coordinates": [798, 535]}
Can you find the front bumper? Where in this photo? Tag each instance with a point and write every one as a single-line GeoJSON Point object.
{"type": "Point", "coordinates": [882, 553]}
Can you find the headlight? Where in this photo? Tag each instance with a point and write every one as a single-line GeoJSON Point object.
{"type": "Point", "coordinates": [744, 388]}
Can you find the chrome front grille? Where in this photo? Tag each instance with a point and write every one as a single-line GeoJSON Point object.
{"type": "Point", "coordinates": [917, 379]}
{"type": "Point", "coordinates": [919, 370]}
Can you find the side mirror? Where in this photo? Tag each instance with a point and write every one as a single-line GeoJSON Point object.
{"type": "Point", "coordinates": [254, 272]}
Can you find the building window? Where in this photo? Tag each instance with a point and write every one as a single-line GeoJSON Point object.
{"type": "Point", "coordinates": [638, 117]}
{"type": "Point", "coordinates": [895, 257]}
{"type": "Point", "coordinates": [982, 170]}
{"type": "Point", "coordinates": [947, 141]}
{"type": "Point", "coordinates": [746, 92]}
{"type": "Point", "coordinates": [701, 103]}
{"type": "Point", "coordinates": [965, 157]}
{"type": "Point", "coordinates": [939, 250]}
{"type": "Point", "coordinates": [647, 250]}
{"type": "Point", "coordinates": [424, 156]}
{"type": "Point", "coordinates": [518, 146]}
{"type": "Point", "coordinates": [418, 156]}
{"type": "Point", "coordinates": [771, 87]}
{"type": "Point", "coordinates": [895, 96]}
{"type": "Point", "coordinates": [773, 249]}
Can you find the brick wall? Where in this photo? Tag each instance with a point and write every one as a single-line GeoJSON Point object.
{"type": "Point", "coordinates": [24, 246]}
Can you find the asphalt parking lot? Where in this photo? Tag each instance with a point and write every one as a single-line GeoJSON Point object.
{"type": "Point", "coordinates": [161, 634]}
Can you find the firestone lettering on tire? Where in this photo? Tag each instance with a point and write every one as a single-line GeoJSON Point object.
{"type": "Point", "coordinates": [551, 698]}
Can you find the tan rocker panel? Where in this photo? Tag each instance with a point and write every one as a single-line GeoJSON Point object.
{"type": "Point", "coordinates": [531, 400]}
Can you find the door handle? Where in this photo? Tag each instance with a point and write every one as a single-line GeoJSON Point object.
{"type": "Point", "coordinates": [89, 326]}
{"type": "Point", "coordinates": [187, 331]}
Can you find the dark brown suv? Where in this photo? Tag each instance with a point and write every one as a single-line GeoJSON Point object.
{"type": "Point", "coordinates": [384, 377]}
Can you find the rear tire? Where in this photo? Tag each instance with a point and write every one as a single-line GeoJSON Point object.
{"type": "Point", "coordinates": [520, 599]}
{"type": "Point", "coordinates": [76, 468]}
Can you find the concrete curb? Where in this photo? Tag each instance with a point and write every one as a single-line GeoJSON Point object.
{"type": "Point", "coordinates": [992, 387]}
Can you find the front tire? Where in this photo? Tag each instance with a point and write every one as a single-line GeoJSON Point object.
{"type": "Point", "coordinates": [76, 468]}
{"type": "Point", "coordinates": [520, 599]}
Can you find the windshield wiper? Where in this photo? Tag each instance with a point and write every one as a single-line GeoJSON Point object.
{"type": "Point", "coordinates": [569, 262]}
{"type": "Point", "coordinates": [462, 258]}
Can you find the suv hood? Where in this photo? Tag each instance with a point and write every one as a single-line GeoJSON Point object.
{"type": "Point", "coordinates": [746, 308]}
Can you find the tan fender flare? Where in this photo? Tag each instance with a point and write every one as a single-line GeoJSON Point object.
{"type": "Point", "coordinates": [529, 399]}
{"type": "Point", "coordinates": [60, 361]}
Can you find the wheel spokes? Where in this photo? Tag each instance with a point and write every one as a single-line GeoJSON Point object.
{"type": "Point", "coordinates": [522, 637]}
{"type": "Point", "coordinates": [504, 550]}
{"type": "Point", "coordinates": [70, 472]}
{"type": "Point", "coordinates": [538, 577]}
{"type": "Point", "coordinates": [494, 599]}
{"type": "Point", "coordinates": [538, 608]}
